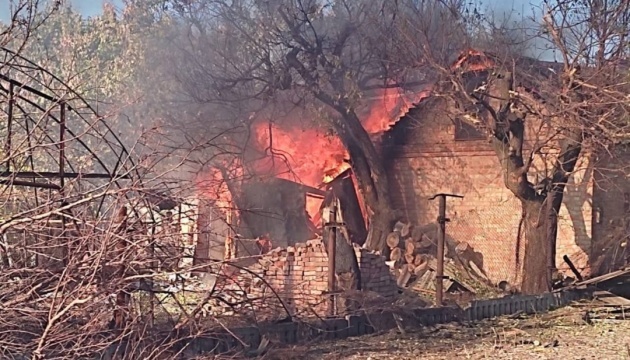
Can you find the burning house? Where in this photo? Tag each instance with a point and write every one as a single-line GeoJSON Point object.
{"type": "Point", "coordinates": [426, 151]}
{"type": "Point", "coordinates": [288, 173]}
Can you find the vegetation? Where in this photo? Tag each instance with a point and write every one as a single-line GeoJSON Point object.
{"type": "Point", "coordinates": [164, 89]}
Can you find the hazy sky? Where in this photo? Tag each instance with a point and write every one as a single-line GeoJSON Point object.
{"type": "Point", "coordinates": [94, 6]}
{"type": "Point", "coordinates": [516, 8]}
{"type": "Point", "coordinates": [91, 7]}
{"type": "Point", "coordinates": [87, 7]}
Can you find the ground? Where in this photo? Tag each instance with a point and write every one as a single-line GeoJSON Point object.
{"type": "Point", "coordinates": [567, 333]}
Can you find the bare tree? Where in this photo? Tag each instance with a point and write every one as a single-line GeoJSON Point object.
{"type": "Point", "coordinates": [24, 17]}
{"type": "Point", "coordinates": [87, 252]}
{"type": "Point", "coordinates": [92, 264]}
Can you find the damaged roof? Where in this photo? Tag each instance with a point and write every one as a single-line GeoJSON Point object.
{"type": "Point", "coordinates": [532, 72]}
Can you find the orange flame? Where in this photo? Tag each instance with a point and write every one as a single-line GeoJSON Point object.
{"type": "Point", "coordinates": [310, 156]}
{"type": "Point", "coordinates": [306, 156]}
{"type": "Point", "coordinates": [313, 158]}
{"type": "Point", "coordinates": [474, 60]}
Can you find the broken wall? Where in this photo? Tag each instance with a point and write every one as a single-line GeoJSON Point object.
{"type": "Point", "coordinates": [299, 276]}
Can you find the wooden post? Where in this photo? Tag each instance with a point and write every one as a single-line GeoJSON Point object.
{"type": "Point", "coordinates": [574, 270]}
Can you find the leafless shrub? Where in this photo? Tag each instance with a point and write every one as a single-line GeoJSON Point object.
{"type": "Point", "coordinates": [91, 264]}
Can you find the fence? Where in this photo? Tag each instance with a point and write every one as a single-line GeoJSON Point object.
{"type": "Point", "coordinates": [341, 328]}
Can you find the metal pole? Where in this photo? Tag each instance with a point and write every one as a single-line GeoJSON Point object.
{"type": "Point", "coordinates": [7, 148]}
{"type": "Point", "coordinates": [439, 283]}
{"type": "Point", "coordinates": [62, 149]}
{"type": "Point", "coordinates": [332, 240]}
{"type": "Point", "coordinates": [55, 175]}
{"type": "Point", "coordinates": [122, 298]}
{"type": "Point", "coordinates": [62, 180]}
{"type": "Point", "coordinates": [442, 220]}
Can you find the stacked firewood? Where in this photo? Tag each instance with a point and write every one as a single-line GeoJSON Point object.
{"type": "Point", "coordinates": [413, 250]}
{"type": "Point", "coordinates": [409, 252]}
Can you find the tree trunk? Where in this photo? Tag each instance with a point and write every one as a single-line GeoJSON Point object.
{"type": "Point", "coordinates": [538, 230]}
{"type": "Point", "coordinates": [365, 160]}
{"type": "Point", "coordinates": [371, 178]}
{"type": "Point", "coordinates": [536, 241]}
{"type": "Point", "coordinates": [532, 249]}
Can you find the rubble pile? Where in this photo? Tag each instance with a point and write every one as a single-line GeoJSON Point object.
{"type": "Point", "coordinates": [610, 253]}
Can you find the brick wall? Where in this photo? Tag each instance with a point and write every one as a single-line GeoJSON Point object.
{"type": "Point", "coordinates": [299, 274]}
{"type": "Point", "coordinates": [431, 161]}
{"type": "Point", "coordinates": [575, 223]}
{"type": "Point", "coordinates": [611, 204]}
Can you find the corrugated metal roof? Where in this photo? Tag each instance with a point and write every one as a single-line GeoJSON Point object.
{"type": "Point", "coordinates": [623, 274]}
